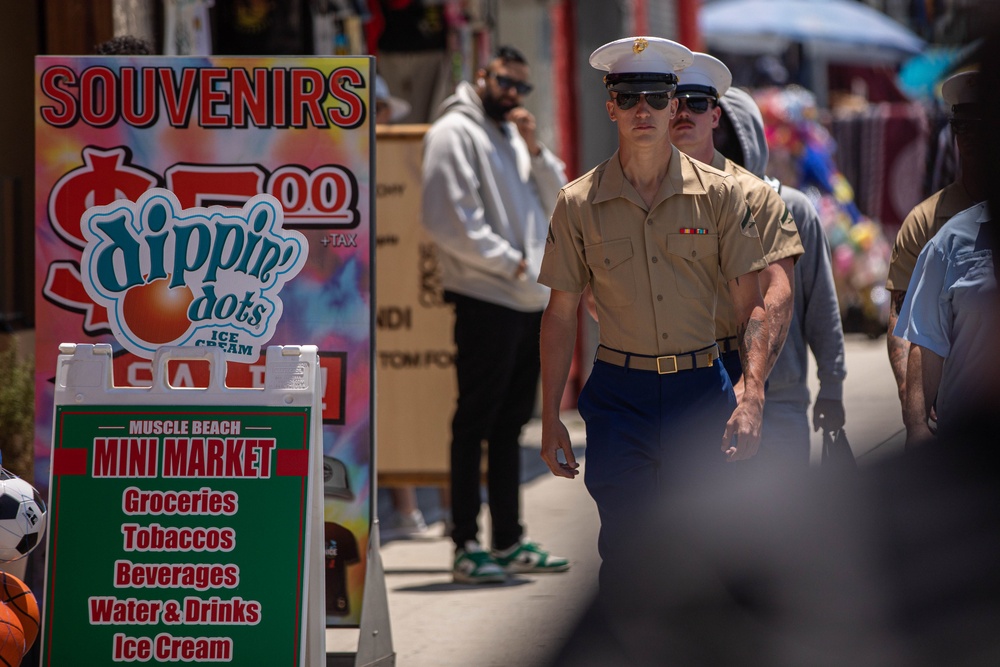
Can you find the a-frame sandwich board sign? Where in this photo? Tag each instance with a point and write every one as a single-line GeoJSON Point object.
{"type": "Point", "coordinates": [185, 524]}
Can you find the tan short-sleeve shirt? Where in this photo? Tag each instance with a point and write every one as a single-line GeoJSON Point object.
{"type": "Point", "coordinates": [654, 270]}
{"type": "Point", "coordinates": [778, 234]}
{"type": "Point", "coordinates": [919, 227]}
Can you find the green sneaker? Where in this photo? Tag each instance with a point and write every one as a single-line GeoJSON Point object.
{"type": "Point", "coordinates": [529, 557]}
{"type": "Point", "coordinates": [475, 566]}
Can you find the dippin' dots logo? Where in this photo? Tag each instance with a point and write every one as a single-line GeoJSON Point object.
{"type": "Point", "coordinates": [196, 276]}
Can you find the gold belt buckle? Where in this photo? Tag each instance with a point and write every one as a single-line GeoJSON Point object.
{"type": "Point", "coordinates": [659, 366]}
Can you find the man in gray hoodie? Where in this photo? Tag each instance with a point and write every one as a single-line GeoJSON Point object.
{"type": "Point", "coordinates": [488, 189]}
{"type": "Point", "coordinates": [815, 313]}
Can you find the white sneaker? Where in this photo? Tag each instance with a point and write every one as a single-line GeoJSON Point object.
{"type": "Point", "coordinates": [473, 565]}
{"type": "Point", "coordinates": [411, 524]}
{"type": "Point", "coordinates": [528, 556]}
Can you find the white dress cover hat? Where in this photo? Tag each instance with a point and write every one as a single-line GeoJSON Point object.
{"type": "Point", "coordinates": [962, 89]}
{"type": "Point", "coordinates": [641, 64]}
{"type": "Point", "coordinates": [706, 77]}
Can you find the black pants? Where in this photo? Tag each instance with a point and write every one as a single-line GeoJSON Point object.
{"type": "Point", "coordinates": [498, 366]}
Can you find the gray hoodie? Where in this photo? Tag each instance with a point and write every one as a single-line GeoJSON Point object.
{"type": "Point", "coordinates": [486, 203]}
{"type": "Point", "coordinates": [816, 313]}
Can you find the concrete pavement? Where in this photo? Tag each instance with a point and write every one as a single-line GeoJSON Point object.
{"type": "Point", "coordinates": [436, 623]}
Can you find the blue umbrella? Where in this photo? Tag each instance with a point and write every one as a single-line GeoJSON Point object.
{"type": "Point", "coordinates": [835, 30]}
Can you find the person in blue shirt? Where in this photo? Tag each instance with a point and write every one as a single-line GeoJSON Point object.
{"type": "Point", "coordinates": [951, 316]}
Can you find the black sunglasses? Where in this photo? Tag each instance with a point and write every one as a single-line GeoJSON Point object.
{"type": "Point", "coordinates": [658, 101]}
{"type": "Point", "coordinates": [506, 83]}
{"type": "Point", "coordinates": [698, 105]}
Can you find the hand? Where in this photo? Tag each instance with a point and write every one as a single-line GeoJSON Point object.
{"type": "Point", "coordinates": [738, 390]}
{"type": "Point", "coordinates": [918, 435]}
{"type": "Point", "coordinates": [742, 437]}
{"type": "Point", "coordinates": [525, 123]}
{"type": "Point", "coordinates": [828, 415]}
{"type": "Point", "coordinates": [555, 438]}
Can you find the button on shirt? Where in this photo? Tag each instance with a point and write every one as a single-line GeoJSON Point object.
{"type": "Point", "coordinates": [654, 270]}
{"type": "Point", "coordinates": [778, 234]}
{"type": "Point", "coordinates": [949, 307]}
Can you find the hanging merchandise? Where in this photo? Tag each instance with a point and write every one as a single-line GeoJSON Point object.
{"type": "Point", "coordinates": [262, 27]}
{"type": "Point", "coordinates": [470, 32]}
{"type": "Point", "coordinates": [324, 23]}
{"type": "Point", "coordinates": [187, 28]}
{"type": "Point", "coordinates": [802, 153]}
{"type": "Point", "coordinates": [460, 42]}
{"type": "Point", "coordinates": [354, 35]}
{"type": "Point", "coordinates": [415, 58]}
{"type": "Point", "coordinates": [414, 25]}
{"type": "Point", "coordinates": [338, 27]}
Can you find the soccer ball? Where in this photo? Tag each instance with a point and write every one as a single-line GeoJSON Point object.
{"type": "Point", "coordinates": [22, 517]}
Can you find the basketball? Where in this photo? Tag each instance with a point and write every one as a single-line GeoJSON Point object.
{"type": "Point", "coordinates": [19, 598]}
{"type": "Point", "coordinates": [11, 638]}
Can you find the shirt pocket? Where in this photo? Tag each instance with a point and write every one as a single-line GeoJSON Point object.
{"type": "Point", "coordinates": [614, 278]}
{"type": "Point", "coordinates": [695, 258]}
{"type": "Point", "coordinates": [974, 281]}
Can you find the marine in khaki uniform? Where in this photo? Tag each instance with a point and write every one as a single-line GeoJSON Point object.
{"type": "Point", "coordinates": [961, 93]}
{"type": "Point", "coordinates": [691, 130]}
{"type": "Point", "coordinates": [652, 232]}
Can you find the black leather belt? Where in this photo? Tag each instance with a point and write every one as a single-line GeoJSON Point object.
{"type": "Point", "coordinates": [730, 344]}
{"type": "Point", "coordinates": [671, 363]}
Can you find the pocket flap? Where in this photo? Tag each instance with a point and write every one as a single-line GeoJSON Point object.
{"type": "Point", "coordinates": [693, 247]}
{"type": "Point", "coordinates": [610, 254]}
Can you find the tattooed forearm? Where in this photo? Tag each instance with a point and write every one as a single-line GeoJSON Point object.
{"type": "Point", "coordinates": [899, 354]}
{"type": "Point", "coordinates": [899, 348]}
{"type": "Point", "coordinates": [777, 288]}
{"type": "Point", "coordinates": [750, 331]}
{"type": "Point", "coordinates": [753, 341]}
{"type": "Point", "coordinates": [776, 343]}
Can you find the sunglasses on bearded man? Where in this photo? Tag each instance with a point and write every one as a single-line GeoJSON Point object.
{"type": "Point", "coordinates": [506, 83]}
